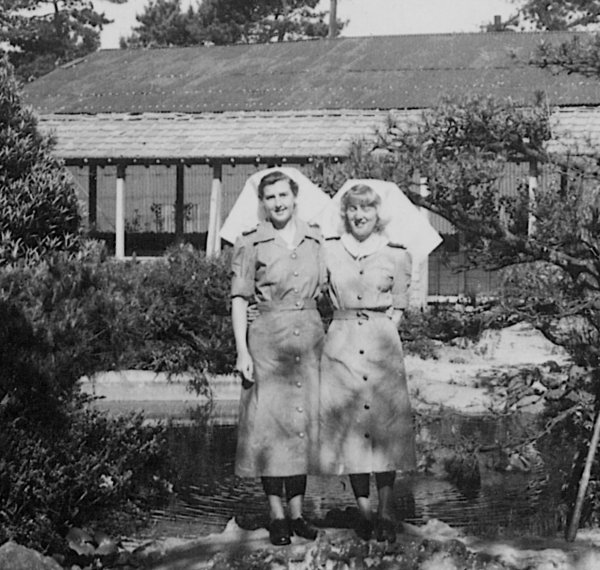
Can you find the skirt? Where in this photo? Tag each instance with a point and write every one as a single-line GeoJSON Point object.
{"type": "Point", "coordinates": [365, 418]}
{"type": "Point", "coordinates": [278, 416]}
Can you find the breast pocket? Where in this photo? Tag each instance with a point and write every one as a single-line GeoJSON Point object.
{"type": "Point", "coordinates": [271, 266]}
{"type": "Point", "coordinates": [384, 279]}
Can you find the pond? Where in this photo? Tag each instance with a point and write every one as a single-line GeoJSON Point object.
{"type": "Point", "coordinates": [509, 497]}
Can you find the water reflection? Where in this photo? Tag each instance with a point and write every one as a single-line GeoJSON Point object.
{"type": "Point", "coordinates": [203, 440]}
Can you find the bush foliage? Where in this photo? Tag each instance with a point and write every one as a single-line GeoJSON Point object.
{"type": "Point", "coordinates": [66, 317]}
{"type": "Point", "coordinates": [38, 207]}
{"type": "Point", "coordinates": [83, 469]}
{"type": "Point", "coordinates": [69, 317]}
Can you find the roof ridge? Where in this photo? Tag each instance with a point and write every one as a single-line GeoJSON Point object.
{"type": "Point", "coordinates": [340, 39]}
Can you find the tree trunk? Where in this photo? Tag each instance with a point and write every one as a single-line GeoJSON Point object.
{"type": "Point", "coordinates": [333, 19]}
{"type": "Point", "coordinates": [284, 24]}
{"type": "Point", "coordinates": [585, 479]}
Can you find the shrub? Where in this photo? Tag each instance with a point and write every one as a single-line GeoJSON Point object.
{"type": "Point", "coordinates": [62, 465]}
{"type": "Point", "coordinates": [422, 330]}
{"type": "Point", "coordinates": [38, 206]}
{"type": "Point", "coordinates": [68, 317]}
{"type": "Point", "coordinates": [86, 470]}
{"type": "Point", "coordinates": [185, 300]}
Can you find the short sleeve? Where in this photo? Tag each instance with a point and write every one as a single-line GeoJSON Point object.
{"type": "Point", "coordinates": [243, 269]}
{"type": "Point", "coordinates": [402, 278]}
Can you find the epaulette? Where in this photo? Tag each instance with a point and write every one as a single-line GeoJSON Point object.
{"type": "Point", "coordinates": [251, 231]}
{"type": "Point", "coordinates": [396, 245]}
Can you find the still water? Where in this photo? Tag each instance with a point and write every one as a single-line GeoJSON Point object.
{"type": "Point", "coordinates": [508, 498]}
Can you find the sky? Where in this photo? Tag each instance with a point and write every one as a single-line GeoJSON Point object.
{"type": "Point", "coordinates": [366, 17]}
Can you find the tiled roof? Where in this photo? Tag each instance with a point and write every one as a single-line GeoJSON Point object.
{"type": "Point", "coordinates": [576, 130]}
{"type": "Point", "coordinates": [393, 72]}
{"type": "Point", "coordinates": [172, 136]}
{"type": "Point", "coordinates": [214, 135]}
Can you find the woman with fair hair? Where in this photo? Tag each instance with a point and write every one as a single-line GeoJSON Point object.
{"type": "Point", "coordinates": [365, 418]}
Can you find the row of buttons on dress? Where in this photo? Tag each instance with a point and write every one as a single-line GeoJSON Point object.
{"type": "Point", "coordinates": [299, 304]}
{"type": "Point", "coordinates": [299, 409]}
{"type": "Point", "coordinates": [361, 351]}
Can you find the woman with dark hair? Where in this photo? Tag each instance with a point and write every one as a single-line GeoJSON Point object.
{"type": "Point", "coordinates": [278, 266]}
{"type": "Point", "coordinates": [365, 418]}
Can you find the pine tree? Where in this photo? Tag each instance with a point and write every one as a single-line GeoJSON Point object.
{"type": "Point", "coordinates": [224, 22]}
{"type": "Point", "coordinates": [42, 34]}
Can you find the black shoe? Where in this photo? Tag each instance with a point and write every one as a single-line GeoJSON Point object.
{"type": "Point", "coordinates": [385, 530]}
{"type": "Point", "coordinates": [279, 532]}
{"type": "Point", "coordinates": [364, 529]}
{"type": "Point", "coordinates": [301, 528]}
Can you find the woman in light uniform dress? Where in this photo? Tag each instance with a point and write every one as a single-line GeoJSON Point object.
{"type": "Point", "coordinates": [278, 266]}
{"type": "Point", "coordinates": [365, 418]}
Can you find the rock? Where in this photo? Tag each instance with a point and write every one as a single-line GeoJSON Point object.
{"type": "Point", "coordinates": [13, 556]}
{"type": "Point", "coordinates": [589, 560]}
{"type": "Point", "coordinates": [439, 561]}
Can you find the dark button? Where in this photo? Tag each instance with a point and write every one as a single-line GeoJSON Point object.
{"type": "Point", "coordinates": [367, 407]}
{"type": "Point", "coordinates": [360, 322]}
{"type": "Point", "coordinates": [367, 436]}
{"type": "Point", "coordinates": [359, 297]}
{"type": "Point", "coordinates": [361, 351]}
{"type": "Point", "coordinates": [365, 378]}
{"type": "Point", "coordinates": [361, 271]}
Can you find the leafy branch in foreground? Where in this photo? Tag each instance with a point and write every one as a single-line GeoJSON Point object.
{"type": "Point", "coordinates": [578, 55]}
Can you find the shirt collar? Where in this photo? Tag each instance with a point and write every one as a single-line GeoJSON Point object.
{"type": "Point", "coordinates": [358, 249]}
{"type": "Point", "coordinates": [266, 232]}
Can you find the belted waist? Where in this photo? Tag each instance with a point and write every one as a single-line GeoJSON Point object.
{"type": "Point", "coordinates": [344, 314]}
{"type": "Point", "coordinates": [299, 305]}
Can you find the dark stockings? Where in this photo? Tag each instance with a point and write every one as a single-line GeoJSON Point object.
{"type": "Point", "coordinates": [293, 488]}
{"type": "Point", "coordinates": [384, 482]}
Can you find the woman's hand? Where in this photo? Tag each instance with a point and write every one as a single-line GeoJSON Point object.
{"type": "Point", "coordinates": [396, 316]}
{"type": "Point", "coordinates": [252, 313]}
{"type": "Point", "coordinates": [245, 366]}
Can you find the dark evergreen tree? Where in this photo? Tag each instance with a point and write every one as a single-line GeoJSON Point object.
{"type": "Point", "coordinates": [223, 22]}
{"type": "Point", "coordinates": [38, 206]}
{"type": "Point", "coordinates": [42, 34]}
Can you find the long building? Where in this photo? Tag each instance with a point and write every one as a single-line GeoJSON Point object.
{"type": "Point", "coordinates": [160, 141]}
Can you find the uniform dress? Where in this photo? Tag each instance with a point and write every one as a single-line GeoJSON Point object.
{"type": "Point", "coordinates": [365, 420]}
{"type": "Point", "coordinates": [278, 413]}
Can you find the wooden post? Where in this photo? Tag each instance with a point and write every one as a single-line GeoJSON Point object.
{"type": "Point", "coordinates": [179, 203]}
{"type": "Point", "coordinates": [420, 271]}
{"type": "Point", "coordinates": [332, 19]}
{"type": "Point", "coordinates": [584, 481]}
{"type": "Point", "coordinates": [120, 213]}
{"type": "Point", "coordinates": [92, 197]}
{"type": "Point", "coordinates": [213, 241]}
{"type": "Point", "coordinates": [532, 183]}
